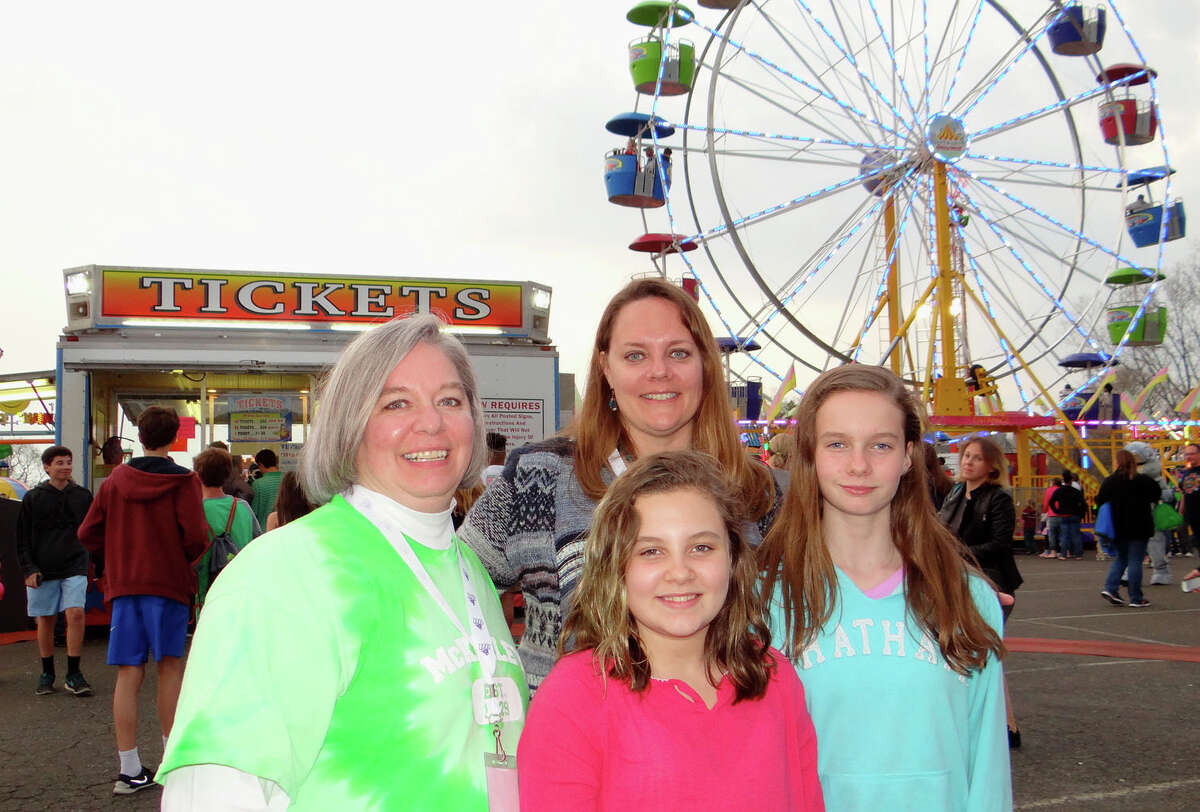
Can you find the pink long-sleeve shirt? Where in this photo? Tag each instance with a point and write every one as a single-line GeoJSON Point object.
{"type": "Point", "coordinates": [591, 743]}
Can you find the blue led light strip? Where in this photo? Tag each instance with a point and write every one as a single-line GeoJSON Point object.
{"type": "Point", "coordinates": [1033, 274]}
{"type": "Point", "coordinates": [892, 55]}
{"type": "Point", "coordinates": [784, 72]}
{"type": "Point", "coordinates": [887, 269]}
{"type": "Point", "coordinates": [1029, 44]}
{"type": "Point", "coordinates": [962, 54]}
{"type": "Point", "coordinates": [803, 139]}
{"type": "Point", "coordinates": [1050, 164]}
{"type": "Point", "coordinates": [1048, 218]}
{"type": "Point", "coordinates": [817, 268]}
{"type": "Point", "coordinates": [862, 220]}
{"type": "Point", "coordinates": [1009, 355]}
{"type": "Point", "coordinates": [1058, 303]}
{"type": "Point", "coordinates": [849, 56]}
{"type": "Point", "coordinates": [1050, 108]}
{"type": "Point", "coordinates": [780, 208]}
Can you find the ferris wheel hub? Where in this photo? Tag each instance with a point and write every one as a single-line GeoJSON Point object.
{"type": "Point", "coordinates": [946, 137]}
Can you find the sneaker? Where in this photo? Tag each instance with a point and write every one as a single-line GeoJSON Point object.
{"type": "Point", "coordinates": [77, 685]}
{"type": "Point", "coordinates": [127, 785]}
{"type": "Point", "coordinates": [1142, 604]}
{"type": "Point", "coordinates": [1115, 600]}
{"type": "Point", "coordinates": [45, 685]}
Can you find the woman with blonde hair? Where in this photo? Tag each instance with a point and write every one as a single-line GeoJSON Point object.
{"type": "Point", "coordinates": [670, 664]}
{"type": "Point", "coordinates": [893, 632]}
{"type": "Point", "coordinates": [655, 383]}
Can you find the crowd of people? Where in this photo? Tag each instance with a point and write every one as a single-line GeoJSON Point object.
{"type": "Point", "coordinates": [839, 613]}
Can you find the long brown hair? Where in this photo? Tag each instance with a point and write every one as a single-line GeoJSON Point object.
{"type": "Point", "coordinates": [936, 585]}
{"type": "Point", "coordinates": [598, 430]}
{"type": "Point", "coordinates": [1127, 464]}
{"type": "Point", "coordinates": [938, 480]}
{"type": "Point", "coordinates": [737, 639]}
{"type": "Point", "coordinates": [291, 503]}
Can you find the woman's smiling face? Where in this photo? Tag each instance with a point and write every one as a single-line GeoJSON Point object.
{"type": "Point", "coordinates": [655, 370]}
{"type": "Point", "coordinates": [419, 439]}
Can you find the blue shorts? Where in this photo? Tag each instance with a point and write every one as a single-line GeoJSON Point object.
{"type": "Point", "coordinates": [142, 623]}
{"type": "Point", "coordinates": [54, 596]}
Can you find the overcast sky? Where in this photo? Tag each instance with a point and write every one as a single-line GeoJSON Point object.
{"type": "Point", "coordinates": [429, 139]}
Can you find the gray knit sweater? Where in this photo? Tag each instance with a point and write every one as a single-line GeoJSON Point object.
{"type": "Point", "coordinates": [528, 529]}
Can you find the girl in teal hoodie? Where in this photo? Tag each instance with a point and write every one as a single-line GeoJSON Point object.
{"type": "Point", "coordinates": [896, 638]}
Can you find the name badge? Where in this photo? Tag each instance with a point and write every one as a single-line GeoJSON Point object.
{"type": "Point", "coordinates": [496, 700]}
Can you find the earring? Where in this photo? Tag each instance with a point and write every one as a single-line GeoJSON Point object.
{"type": "Point", "coordinates": [612, 403]}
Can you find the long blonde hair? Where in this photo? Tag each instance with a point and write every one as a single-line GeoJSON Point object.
{"type": "Point", "coordinates": [598, 430]}
{"type": "Point", "coordinates": [737, 639]}
{"type": "Point", "coordinates": [794, 555]}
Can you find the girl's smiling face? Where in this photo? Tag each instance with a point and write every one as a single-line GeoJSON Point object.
{"type": "Point", "coordinates": [678, 576]}
{"type": "Point", "coordinates": [860, 452]}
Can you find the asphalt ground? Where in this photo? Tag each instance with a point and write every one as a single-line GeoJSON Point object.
{"type": "Point", "coordinates": [1099, 733]}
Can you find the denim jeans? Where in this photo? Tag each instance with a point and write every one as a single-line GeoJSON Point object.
{"type": "Point", "coordinates": [1072, 538]}
{"type": "Point", "coordinates": [1055, 540]}
{"type": "Point", "coordinates": [1129, 556]}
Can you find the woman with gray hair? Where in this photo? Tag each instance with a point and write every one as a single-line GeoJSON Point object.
{"type": "Point", "coordinates": [358, 657]}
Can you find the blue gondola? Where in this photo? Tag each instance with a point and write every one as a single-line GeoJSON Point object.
{"type": "Point", "coordinates": [629, 179]}
{"type": "Point", "coordinates": [1079, 30]}
{"type": "Point", "coordinates": [1087, 360]}
{"type": "Point", "coordinates": [1144, 217]}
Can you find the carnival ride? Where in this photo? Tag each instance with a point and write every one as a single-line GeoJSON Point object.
{"type": "Point", "coordinates": [919, 185]}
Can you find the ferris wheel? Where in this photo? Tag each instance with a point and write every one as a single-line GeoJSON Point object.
{"type": "Point", "coordinates": [955, 189]}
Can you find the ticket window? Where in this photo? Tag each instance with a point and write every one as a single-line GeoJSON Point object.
{"type": "Point", "coordinates": [120, 443]}
{"type": "Point", "coordinates": [249, 421]}
{"type": "Point", "coordinates": [246, 420]}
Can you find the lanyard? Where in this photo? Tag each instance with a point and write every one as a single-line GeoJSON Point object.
{"type": "Point", "coordinates": [481, 641]}
{"type": "Point", "coordinates": [617, 463]}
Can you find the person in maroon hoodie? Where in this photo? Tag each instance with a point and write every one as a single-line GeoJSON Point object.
{"type": "Point", "coordinates": [148, 521]}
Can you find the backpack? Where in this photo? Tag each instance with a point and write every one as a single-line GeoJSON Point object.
{"type": "Point", "coordinates": [222, 549]}
{"type": "Point", "coordinates": [1066, 501]}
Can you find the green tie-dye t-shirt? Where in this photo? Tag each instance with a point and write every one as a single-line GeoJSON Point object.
{"type": "Point", "coordinates": [320, 663]}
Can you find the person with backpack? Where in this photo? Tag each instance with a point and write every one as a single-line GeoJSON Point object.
{"type": "Point", "coordinates": [1069, 506]}
{"type": "Point", "coordinates": [231, 521]}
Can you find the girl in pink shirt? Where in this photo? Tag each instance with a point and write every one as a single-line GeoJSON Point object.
{"type": "Point", "coordinates": [672, 697]}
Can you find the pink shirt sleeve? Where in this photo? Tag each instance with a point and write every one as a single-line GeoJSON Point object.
{"type": "Point", "coordinates": [804, 785]}
{"type": "Point", "coordinates": [560, 755]}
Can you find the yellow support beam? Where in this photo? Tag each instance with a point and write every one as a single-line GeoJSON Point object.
{"type": "Point", "coordinates": [950, 395]}
{"type": "Point", "coordinates": [893, 280]}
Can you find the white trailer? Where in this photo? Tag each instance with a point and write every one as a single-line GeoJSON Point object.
{"type": "Point", "coordinates": [238, 353]}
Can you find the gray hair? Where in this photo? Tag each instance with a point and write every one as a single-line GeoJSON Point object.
{"type": "Point", "coordinates": [348, 391]}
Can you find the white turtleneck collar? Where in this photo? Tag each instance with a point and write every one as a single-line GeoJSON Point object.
{"type": "Point", "coordinates": [395, 521]}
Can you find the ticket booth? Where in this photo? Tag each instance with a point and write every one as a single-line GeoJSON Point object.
{"type": "Point", "coordinates": [238, 354]}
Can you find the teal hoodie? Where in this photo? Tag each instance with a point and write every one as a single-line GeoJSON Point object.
{"type": "Point", "coordinates": [898, 729]}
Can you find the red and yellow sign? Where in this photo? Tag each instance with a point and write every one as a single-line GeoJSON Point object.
{"type": "Point", "coordinates": [221, 295]}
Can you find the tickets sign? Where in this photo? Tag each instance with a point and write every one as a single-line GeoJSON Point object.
{"type": "Point", "coordinates": [148, 293]}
